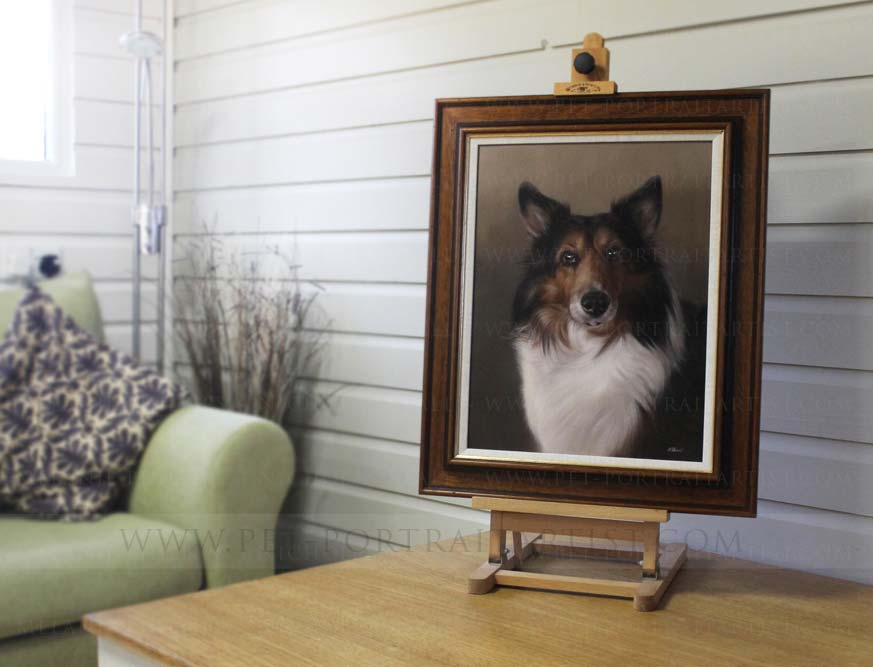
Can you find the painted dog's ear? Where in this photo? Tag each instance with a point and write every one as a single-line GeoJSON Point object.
{"type": "Point", "coordinates": [642, 207]}
{"type": "Point", "coordinates": [537, 210]}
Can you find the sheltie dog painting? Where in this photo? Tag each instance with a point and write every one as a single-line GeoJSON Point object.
{"type": "Point", "coordinates": [591, 272]}
{"type": "Point", "coordinates": [609, 356]}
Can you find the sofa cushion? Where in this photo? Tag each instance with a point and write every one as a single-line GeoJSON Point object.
{"type": "Point", "coordinates": [73, 292]}
{"type": "Point", "coordinates": [75, 414]}
{"type": "Point", "coordinates": [51, 573]}
{"type": "Point", "coordinates": [70, 647]}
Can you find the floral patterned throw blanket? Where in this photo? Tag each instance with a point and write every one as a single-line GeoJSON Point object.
{"type": "Point", "coordinates": [75, 415]}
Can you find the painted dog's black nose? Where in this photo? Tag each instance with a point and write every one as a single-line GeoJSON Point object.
{"type": "Point", "coordinates": [594, 302]}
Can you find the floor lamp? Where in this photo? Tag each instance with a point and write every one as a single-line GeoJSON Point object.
{"type": "Point", "coordinates": [149, 212]}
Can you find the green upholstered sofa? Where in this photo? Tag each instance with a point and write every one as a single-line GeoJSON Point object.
{"type": "Point", "coordinates": [201, 512]}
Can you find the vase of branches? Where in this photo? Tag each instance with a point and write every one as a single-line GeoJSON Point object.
{"type": "Point", "coordinates": [249, 329]}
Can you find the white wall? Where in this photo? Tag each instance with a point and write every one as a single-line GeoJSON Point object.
{"type": "Point", "coordinates": [86, 216]}
{"type": "Point", "coordinates": [309, 124]}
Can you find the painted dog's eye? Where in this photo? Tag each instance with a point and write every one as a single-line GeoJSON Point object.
{"type": "Point", "coordinates": [613, 253]}
{"type": "Point", "coordinates": [569, 258]}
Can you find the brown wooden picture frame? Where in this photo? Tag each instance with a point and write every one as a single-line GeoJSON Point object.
{"type": "Point", "coordinates": [731, 488]}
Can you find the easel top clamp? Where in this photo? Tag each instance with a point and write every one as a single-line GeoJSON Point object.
{"type": "Point", "coordinates": [589, 74]}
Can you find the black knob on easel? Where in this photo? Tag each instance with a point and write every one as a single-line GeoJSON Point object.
{"type": "Point", "coordinates": [584, 63]}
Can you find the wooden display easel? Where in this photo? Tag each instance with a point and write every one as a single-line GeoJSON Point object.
{"type": "Point", "coordinates": [589, 73]}
{"type": "Point", "coordinates": [523, 564]}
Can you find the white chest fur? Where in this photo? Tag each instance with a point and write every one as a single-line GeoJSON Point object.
{"type": "Point", "coordinates": [589, 399]}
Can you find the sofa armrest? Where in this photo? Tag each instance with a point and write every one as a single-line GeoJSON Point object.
{"type": "Point", "coordinates": [223, 477]}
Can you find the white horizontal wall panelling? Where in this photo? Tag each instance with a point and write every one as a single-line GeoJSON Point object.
{"type": "Point", "coordinates": [832, 332]}
{"type": "Point", "coordinates": [115, 298]}
{"type": "Point", "coordinates": [266, 22]}
{"type": "Point", "coordinates": [319, 207]}
{"type": "Point", "coordinates": [307, 126]}
{"type": "Point", "coordinates": [818, 189]}
{"type": "Point", "coordinates": [119, 336]}
{"type": "Point", "coordinates": [262, 23]}
{"type": "Point", "coordinates": [376, 412]}
{"type": "Point", "coordinates": [334, 156]}
{"type": "Point", "coordinates": [191, 7]}
{"type": "Point", "coordinates": [381, 464]}
{"type": "Point", "coordinates": [774, 47]}
{"type": "Point", "coordinates": [822, 116]}
{"type": "Point", "coordinates": [379, 361]}
{"type": "Point", "coordinates": [827, 260]}
{"type": "Point", "coordinates": [108, 123]}
{"type": "Point", "coordinates": [829, 474]}
{"type": "Point", "coordinates": [374, 257]}
{"type": "Point", "coordinates": [28, 210]}
{"type": "Point", "coordinates": [359, 308]}
{"type": "Point", "coordinates": [151, 8]}
{"type": "Point", "coordinates": [796, 127]}
{"type": "Point", "coordinates": [100, 78]}
{"type": "Point", "coordinates": [97, 31]}
{"type": "Point", "coordinates": [818, 402]}
{"type": "Point", "coordinates": [97, 168]}
{"type": "Point", "coordinates": [831, 543]}
{"type": "Point", "coordinates": [362, 359]}
{"type": "Point", "coordinates": [386, 516]}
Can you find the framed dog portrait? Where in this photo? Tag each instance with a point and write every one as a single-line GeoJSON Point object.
{"type": "Point", "coordinates": [595, 296]}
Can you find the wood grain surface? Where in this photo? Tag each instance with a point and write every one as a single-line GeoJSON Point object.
{"type": "Point", "coordinates": [411, 607]}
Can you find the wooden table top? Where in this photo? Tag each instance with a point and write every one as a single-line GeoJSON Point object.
{"type": "Point", "coordinates": [411, 607]}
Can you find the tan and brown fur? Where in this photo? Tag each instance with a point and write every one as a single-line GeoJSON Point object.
{"type": "Point", "coordinates": [595, 287]}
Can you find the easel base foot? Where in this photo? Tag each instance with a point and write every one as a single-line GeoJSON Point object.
{"type": "Point", "coordinates": [646, 592]}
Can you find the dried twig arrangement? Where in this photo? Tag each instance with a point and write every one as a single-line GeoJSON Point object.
{"type": "Point", "coordinates": [248, 334]}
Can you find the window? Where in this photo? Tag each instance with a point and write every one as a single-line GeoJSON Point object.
{"type": "Point", "coordinates": [34, 71]}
